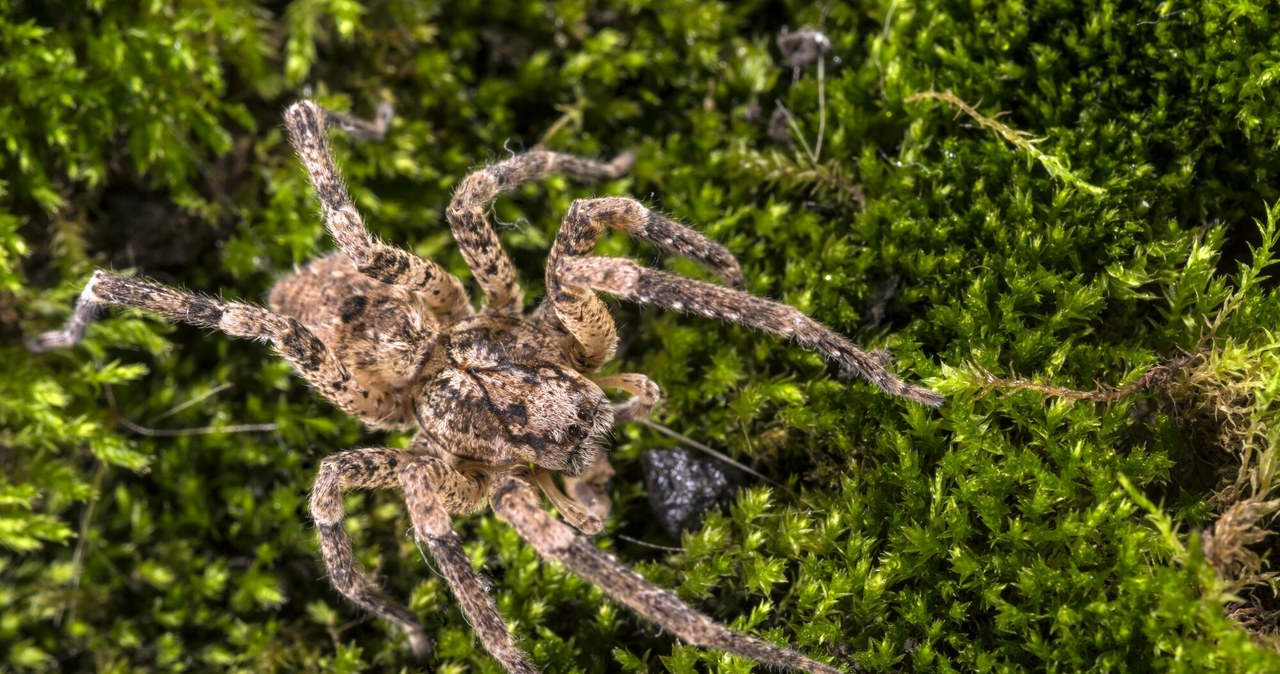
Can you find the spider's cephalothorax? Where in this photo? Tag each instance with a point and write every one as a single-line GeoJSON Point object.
{"type": "Point", "coordinates": [499, 400]}
{"type": "Point", "coordinates": [499, 393]}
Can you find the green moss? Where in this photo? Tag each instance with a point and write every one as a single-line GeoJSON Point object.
{"type": "Point", "coordinates": [1019, 527]}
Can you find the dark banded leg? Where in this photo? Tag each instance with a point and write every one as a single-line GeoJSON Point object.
{"type": "Point", "coordinates": [304, 351]}
{"type": "Point", "coordinates": [583, 314]}
{"type": "Point", "coordinates": [516, 503]}
{"type": "Point", "coordinates": [628, 280]}
{"type": "Point", "coordinates": [359, 469]}
{"type": "Point", "coordinates": [467, 215]}
{"type": "Point", "coordinates": [443, 292]}
{"type": "Point", "coordinates": [432, 527]}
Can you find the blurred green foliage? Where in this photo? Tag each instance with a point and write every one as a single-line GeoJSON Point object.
{"type": "Point", "coordinates": [1016, 528]}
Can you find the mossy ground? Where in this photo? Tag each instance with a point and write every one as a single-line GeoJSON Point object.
{"type": "Point", "coordinates": [1061, 512]}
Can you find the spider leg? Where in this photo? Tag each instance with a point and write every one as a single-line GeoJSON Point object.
{"type": "Point", "coordinates": [298, 345]}
{"type": "Point", "coordinates": [358, 127]}
{"type": "Point", "coordinates": [629, 280]}
{"type": "Point", "coordinates": [420, 481]}
{"type": "Point", "coordinates": [476, 238]}
{"type": "Point", "coordinates": [574, 510]}
{"type": "Point", "coordinates": [516, 503]}
{"type": "Point", "coordinates": [443, 291]}
{"type": "Point", "coordinates": [583, 314]}
{"type": "Point", "coordinates": [358, 469]}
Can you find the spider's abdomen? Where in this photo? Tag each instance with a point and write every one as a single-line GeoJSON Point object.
{"type": "Point", "coordinates": [383, 334]}
{"type": "Point", "coordinates": [501, 394]}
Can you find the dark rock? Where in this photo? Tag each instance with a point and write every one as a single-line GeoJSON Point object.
{"type": "Point", "coordinates": [684, 486]}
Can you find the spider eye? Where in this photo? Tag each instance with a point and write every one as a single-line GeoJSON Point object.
{"type": "Point", "coordinates": [584, 431]}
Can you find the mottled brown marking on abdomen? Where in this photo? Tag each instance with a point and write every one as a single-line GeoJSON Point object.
{"type": "Point", "coordinates": [380, 332]}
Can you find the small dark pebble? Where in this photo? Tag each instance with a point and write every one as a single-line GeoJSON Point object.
{"type": "Point", "coordinates": [684, 486]}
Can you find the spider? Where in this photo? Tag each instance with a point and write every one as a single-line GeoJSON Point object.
{"type": "Point", "coordinates": [500, 400]}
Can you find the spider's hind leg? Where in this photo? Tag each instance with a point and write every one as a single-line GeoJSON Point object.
{"type": "Point", "coordinates": [359, 469]}
{"type": "Point", "coordinates": [442, 291]}
{"type": "Point", "coordinates": [298, 345]}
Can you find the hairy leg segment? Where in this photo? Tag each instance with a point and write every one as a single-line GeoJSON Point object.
{"type": "Point", "coordinates": [516, 503]}
{"type": "Point", "coordinates": [583, 314]}
{"type": "Point", "coordinates": [298, 345]}
{"type": "Point", "coordinates": [476, 238]}
{"type": "Point", "coordinates": [432, 490]}
{"type": "Point", "coordinates": [420, 481]}
{"type": "Point", "coordinates": [359, 469]}
{"type": "Point", "coordinates": [443, 292]}
{"type": "Point", "coordinates": [630, 281]}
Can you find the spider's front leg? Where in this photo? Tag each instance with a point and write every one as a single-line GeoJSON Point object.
{"type": "Point", "coordinates": [576, 308]}
{"type": "Point", "coordinates": [476, 238]}
{"type": "Point", "coordinates": [443, 291]}
{"type": "Point", "coordinates": [516, 503]}
{"type": "Point", "coordinates": [571, 278]}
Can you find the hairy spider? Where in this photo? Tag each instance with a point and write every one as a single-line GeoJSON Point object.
{"type": "Point", "coordinates": [499, 399]}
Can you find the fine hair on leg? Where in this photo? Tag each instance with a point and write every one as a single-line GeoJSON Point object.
{"type": "Point", "coordinates": [628, 280]}
{"type": "Point", "coordinates": [302, 349]}
{"type": "Point", "coordinates": [517, 504]}
{"type": "Point", "coordinates": [443, 292]}
{"type": "Point", "coordinates": [339, 473]}
{"type": "Point", "coordinates": [432, 527]}
{"type": "Point", "coordinates": [579, 311]}
{"type": "Point", "coordinates": [467, 214]}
